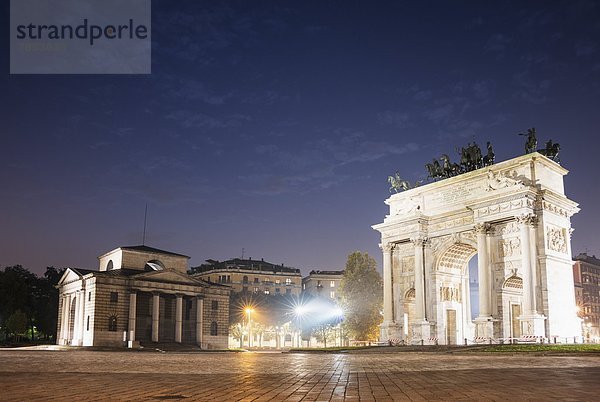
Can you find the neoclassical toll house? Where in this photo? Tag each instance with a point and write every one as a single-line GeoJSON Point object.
{"type": "Point", "coordinates": [516, 218]}
{"type": "Point", "coordinates": [141, 294]}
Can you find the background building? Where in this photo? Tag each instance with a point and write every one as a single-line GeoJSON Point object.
{"type": "Point", "coordinates": [251, 276]}
{"type": "Point", "coordinates": [323, 284]}
{"type": "Point", "coordinates": [141, 294]}
{"type": "Point", "coordinates": [586, 275]}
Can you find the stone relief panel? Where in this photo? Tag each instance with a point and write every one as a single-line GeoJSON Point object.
{"type": "Point", "coordinates": [402, 230]}
{"type": "Point", "coordinates": [436, 242]}
{"type": "Point", "coordinates": [403, 249]}
{"type": "Point", "coordinates": [504, 179]}
{"type": "Point", "coordinates": [408, 264]}
{"type": "Point", "coordinates": [470, 235]}
{"type": "Point", "coordinates": [507, 229]}
{"type": "Point", "coordinates": [450, 293]}
{"type": "Point", "coordinates": [509, 247]}
{"type": "Point", "coordinates": [452, 223]}
{"type": "Point", "coordinates": [505, 206]}
{"type": "Point", "coordinates": [548, 206]}
{"type": "Point", "coordinates": [557, 239]}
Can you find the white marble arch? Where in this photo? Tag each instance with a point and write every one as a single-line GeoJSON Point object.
{"type": "Point", "coordinates": [515, 216]}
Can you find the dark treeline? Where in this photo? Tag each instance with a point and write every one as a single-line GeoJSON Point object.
{"type": "Point", "coordinates": [28, 304]}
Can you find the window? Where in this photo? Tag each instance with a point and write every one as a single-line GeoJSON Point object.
{"type": "Point", "coordinates": [168, 308]}
{"type": "Point", "coordinates": [214, 305]}
{"type": "Point", "coordinates": [332, 284]}
{"type": "Point", "coordinates": [245, 279]}
{"type": "Point", "coordinates": [114, 297]}
{"type": "Point", "coordinates": [245, 289]}
{"type": "Point", "coordinates": [277, 281]}
{"type": "Point", "coordinates": [188, 308]}
{"type": "Point", "coordinates": [288, 281]}
{"type": "Point", "coordinates": [255, 280]}
{"type": "Point", "coordinates": [319, 284]}
{"type": "Point", "coordinates": [213, 328]}
{"type": "Point", "coordinates": [332, 294]}
{"type": "Point", "coordinates": [89, 296]}
{"type": "Point", "coordinates": [277, 290]}
{"type": "Point", "coordinates": [288, 291]}
{"type": "Point", "coordinates": [87, 326]}
{"type": "Point", "coordinates": [112, 323]}
{"type": "Point", "coordinates": [109, 265]}
{"type": "Point", "coordinates": [267, 292]}
{"type": "Point", "coordinates": [255, 290]}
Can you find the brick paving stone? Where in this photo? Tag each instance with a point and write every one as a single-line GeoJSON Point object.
{"type": "Point", "coordinates": [144, 376]}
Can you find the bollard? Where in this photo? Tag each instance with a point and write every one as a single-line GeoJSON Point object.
{"type": "Point", "coordinates": [466, 342]}
{"type": "Point", "coordinates": [421, 342]}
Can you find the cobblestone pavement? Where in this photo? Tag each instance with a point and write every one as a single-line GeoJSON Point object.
{"type": "Point", "coordinates": [92, 375]}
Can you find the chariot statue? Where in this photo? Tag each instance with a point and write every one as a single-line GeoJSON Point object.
{"type": "Point", "coordinates": [551, 151]}
{"type": "Point", "coordinates": [531, 142]}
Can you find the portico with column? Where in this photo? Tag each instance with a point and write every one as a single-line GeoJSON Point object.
{"type": "Point", "coordinates": [151, 303]}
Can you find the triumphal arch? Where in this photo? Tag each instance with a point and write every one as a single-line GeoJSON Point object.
{"type": "Point", "coordinates": [514, 216]}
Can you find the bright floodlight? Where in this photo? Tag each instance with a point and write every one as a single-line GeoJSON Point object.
{"type": "Point", "coordinates": [248, 310]}
{"type": "Point", "coordinates": [338, 312]}
{"type": "Point", "coordinates": [299, 310]}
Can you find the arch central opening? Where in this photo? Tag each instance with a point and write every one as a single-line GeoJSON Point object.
{"type": "Point", "coordinates": [457, 285]}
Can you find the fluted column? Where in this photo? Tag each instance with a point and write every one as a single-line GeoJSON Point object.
{"type": "Point", "coordinates": [132, 314]}
{"type": "Point", "coordinates": [178, 318]}
{"type": "Point", "coordinates": [527, 267]}
{"type": "Point", "coordinates": [419, 243]}
{"type": "Point", "coordinates": [155, 315]}
{"type": "Point", "coordinates": [199, 319]}
{"type": "Point", "coordinates": [388, 302]}
{"type": "Point", "coordinates": [483, 269]}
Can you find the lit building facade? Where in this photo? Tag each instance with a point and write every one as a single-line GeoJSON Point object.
{"type": "Point", "coordinates": [252, 276]}
{"type": "Point", "coordinates": [586, 277]}
{"type": "Point", "coordinates": [141, 294]}
{"type": "Point", "coordinates": [323, 284]}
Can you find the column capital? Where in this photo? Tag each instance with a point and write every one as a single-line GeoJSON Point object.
{"type": "Point", "coordinates": [200, 297]}
{"type": "Point", "coordinates": [482, 228]}
{"type": "Point", "coordinates": [419, 241]}
{"type": "Point", "coordinates": [156, 293]}
{"type": "Point", "coordinates": [527, 219]}
{"type": "Point", "coordinates": [387, 247]}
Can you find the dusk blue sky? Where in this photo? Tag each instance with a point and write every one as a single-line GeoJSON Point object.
{"type": "Point", "coordinates": [272, 126]}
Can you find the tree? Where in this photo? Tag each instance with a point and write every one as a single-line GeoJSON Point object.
{"type": "Point", "coordinates": [361, 293]}
{"type": "Point", "coordinates": [237, 332]}
{"type": "Point", "coordinates": [17, 324]}
{"type": "Point", "coordinates": [324, 332]}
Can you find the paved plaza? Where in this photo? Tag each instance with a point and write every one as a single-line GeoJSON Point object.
{"type": "Point", "coordinates": [222, 376]}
